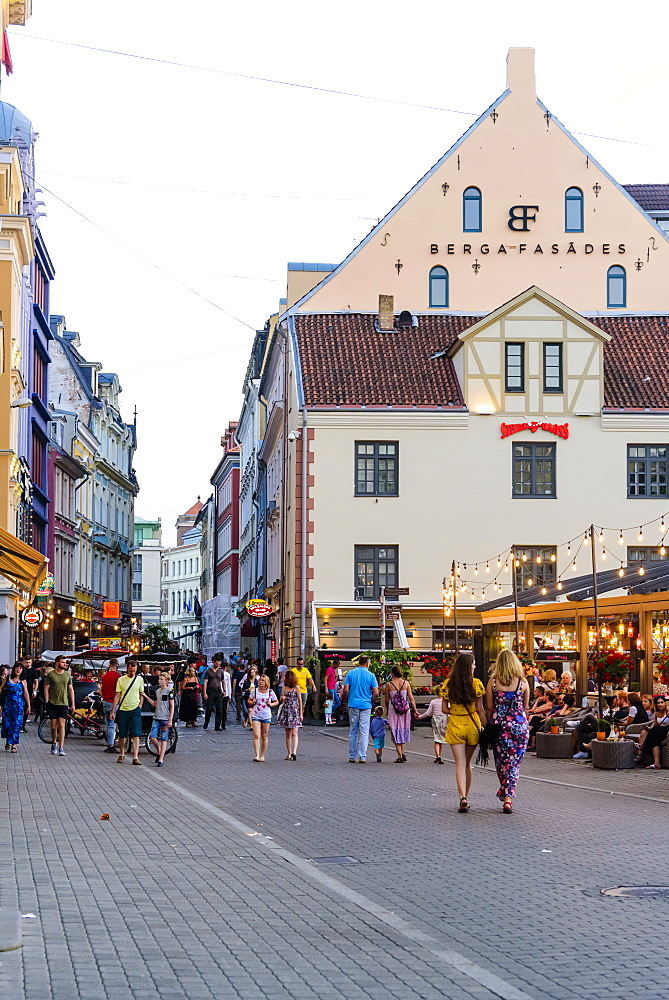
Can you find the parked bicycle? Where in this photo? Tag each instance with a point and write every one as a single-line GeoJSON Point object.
{"type": "Point", "coordinates": [88, 720]}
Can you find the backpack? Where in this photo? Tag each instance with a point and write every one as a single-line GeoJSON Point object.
{"type": "Point", "coordinates": [399, 703]}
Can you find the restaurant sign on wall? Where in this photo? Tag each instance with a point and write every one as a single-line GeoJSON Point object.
{"type": "Point", "coordinates": [560, 430]}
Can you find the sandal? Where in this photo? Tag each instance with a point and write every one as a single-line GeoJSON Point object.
{"type": "Point", "coordinates": [15, 749]}
{"type": "Point", "coordinates": [653, 767]}
{"type": "Point", "coordinates": [464, 806]}
{"type": "Point", "coordinates": [507, 808]}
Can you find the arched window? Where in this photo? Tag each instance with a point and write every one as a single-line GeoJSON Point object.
{"type": "Point", "coordinates": [616, 287]}
{"type": "Point", "coordinates": [471, 210]}
{"type": "Point", "coordinates": [573, 210]}
{"type": "Point", "coordinates": [438, 288]}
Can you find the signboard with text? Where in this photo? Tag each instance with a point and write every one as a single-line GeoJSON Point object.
{"type": "Point", "coordinates": [111, 609]}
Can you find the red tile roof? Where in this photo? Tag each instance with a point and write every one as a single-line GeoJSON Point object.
{"type": "Point", "coordinates": [651, 197]}
{"type": "Point", "coordinates": [346, 361]}
{"type": "Point", "coordinates": [636, 361]}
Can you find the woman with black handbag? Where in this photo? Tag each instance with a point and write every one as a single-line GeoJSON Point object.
{"type": "Point", "coordinates": [507, 703]}
{"type": "Point", "coordinates": [462, 697]}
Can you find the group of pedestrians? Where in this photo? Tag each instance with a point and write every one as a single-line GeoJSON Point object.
{"type": "Point", "coordinates": [463, 711]}
{"type": "Point", "coordinates": [461, 714]}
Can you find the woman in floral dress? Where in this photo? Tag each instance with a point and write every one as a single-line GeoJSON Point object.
{"type": "Point", "coordinates": [289, 716]}
{"type": "Point", "coordinates": [15, 706]}
{"type": "Point", "coordinates": [507, 702]}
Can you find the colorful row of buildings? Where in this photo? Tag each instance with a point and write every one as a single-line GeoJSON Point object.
{"type": "Point", "coordinates": [67, 483]}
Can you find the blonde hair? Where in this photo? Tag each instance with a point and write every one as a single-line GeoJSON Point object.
{"type": "Point", "coordinates": [549, 675]}
{"type": "Point", "coordinates": [265, 678]}
{"type": "Point", "coordinates": [508, 668]}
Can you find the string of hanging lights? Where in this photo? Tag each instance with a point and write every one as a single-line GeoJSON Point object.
{"type": "Point", "coordinates": [468, 586]}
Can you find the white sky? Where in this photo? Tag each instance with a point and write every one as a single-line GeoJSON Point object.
{"type": "Point", "coordinates": [275, 173]}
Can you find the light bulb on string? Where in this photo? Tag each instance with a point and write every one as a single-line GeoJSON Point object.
{"type": "Point", "coordinates": [603, 553]}
{"type": "Point", "coordinates": [487, 567]}
{"type": "Point", "coordinates": [524, 557]}
{"type": "Point", "coordinates": [553, 557]}
{"type": "Point", "coordinates": [573, 565]}
{"type": "Point", "coordinates": [621, 572]}
{"type": "Point", "coordinates": [586, 540]}
{"type": "Point", "coordinates": [543, 590]}
{"type": "Point", "coordinates": [621, 540]}
{"type": "Point", "coordinates": [663, 550]}
{"type": "Point", "coordinates": [529, 581]}
{"type": "Point", "coordinates": [559, 585]}
{"type": "Point", "coordinates": [476, 571]}
{"type": "Point", "coordinates": [499, 562]}
{"type": "Point", "coordinates": [640, 535]}
{"type": "Point", "coordinates": [641, 571]}
{"type": "Point", "coordinates": [506, 567]}
{"type": "Point", "coordinates": [538, 560]}
{"type": "Point", "coordinates": [663, 527]}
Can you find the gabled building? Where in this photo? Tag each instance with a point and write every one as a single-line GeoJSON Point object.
{"type": "Point", "coordinates": [486, 369]}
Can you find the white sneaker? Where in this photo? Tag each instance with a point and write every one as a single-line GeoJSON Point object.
{"type": "Point", "coordinates": [54, 749]}
{"type": "Point", "coordinates": [61, 752]}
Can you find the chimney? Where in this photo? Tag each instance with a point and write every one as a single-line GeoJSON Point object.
{"type": "Point", "coordinates": [386, 312]}
{"type": "Point", "coordinates": [520, 73]}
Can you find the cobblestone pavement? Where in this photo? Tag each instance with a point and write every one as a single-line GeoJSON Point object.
{"type": "Point", "coordinates": [218, 877]}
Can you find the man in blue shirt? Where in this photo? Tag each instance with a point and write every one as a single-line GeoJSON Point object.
{"type": "Point", "coordinates": [360, 688]}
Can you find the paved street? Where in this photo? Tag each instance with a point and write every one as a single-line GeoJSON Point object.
{"type": "Point", "coordinates": [217, 877]}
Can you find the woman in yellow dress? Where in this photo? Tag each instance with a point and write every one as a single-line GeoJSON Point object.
{"type": "Point", "coordinates": [462, 697]}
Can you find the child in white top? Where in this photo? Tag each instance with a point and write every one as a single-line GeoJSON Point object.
{"type": "Point", "coordinates": [439, 723]}
{"type": "Point", "coordinates": [328, 712]}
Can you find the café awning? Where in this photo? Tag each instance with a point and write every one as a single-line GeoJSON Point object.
{"type": "Point", "coordinates": [21, 563]}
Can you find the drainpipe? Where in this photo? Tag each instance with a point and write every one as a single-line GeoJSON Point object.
{"type": "Point", "coordinates": [303, 593]}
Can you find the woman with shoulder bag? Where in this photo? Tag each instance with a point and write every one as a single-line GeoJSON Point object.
{"type": "Point", "coordinates": [507, 703]}
{"type": "Point", "coordinates": [462, 693]}
{"type": "Point", "coordinates": [400, 704]}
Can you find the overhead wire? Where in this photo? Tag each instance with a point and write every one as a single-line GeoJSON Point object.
{"type": "Point", "coordinates": [146, 260]}
{"type": "Point", "coordinates": [226, 194]}
{"type": "Point", "coordinates": [300, 86]}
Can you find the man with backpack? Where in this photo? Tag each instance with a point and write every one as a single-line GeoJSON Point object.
{"type": "Point", "coordinates": [360, 688]}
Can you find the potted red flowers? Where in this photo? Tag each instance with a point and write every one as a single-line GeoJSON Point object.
{"type": "Point", "coordinates": [612, 667]}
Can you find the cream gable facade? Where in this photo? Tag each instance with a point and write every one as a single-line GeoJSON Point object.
{"type": "Point", "coordinates": [457, 459]}
{"type": "Point", "coordinates": [516, 154]}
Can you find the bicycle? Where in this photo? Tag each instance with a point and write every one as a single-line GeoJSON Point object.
{"type": "Point", "coordinates": [172, 741]}
{"type": "Point", "coordinates": [87, 720]}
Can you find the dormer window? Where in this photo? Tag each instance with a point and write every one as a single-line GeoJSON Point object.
{"type": "Point", "coordinates": [472, 215]}
{"type": "Point", "coordinates": [515, 367]}
{"type": "Point", "coordinates": [553, 368]}
{"type": "Point", "coordinates": [573, 210]}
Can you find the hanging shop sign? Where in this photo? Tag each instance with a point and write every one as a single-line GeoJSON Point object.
{"type": "Point", "coordinates": [111, 609]}
{"type": "Point", "coordinates": [259, 609]}
{"type": "Point", "coordinates": [560, 430]}
{"type": "Point", "coordinates": [32, 617]}
{"type": "Point", "coordinates": [45, 588]}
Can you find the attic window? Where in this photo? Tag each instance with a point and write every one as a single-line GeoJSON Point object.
{"type": "Point", "coordinates": [438, 288]}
